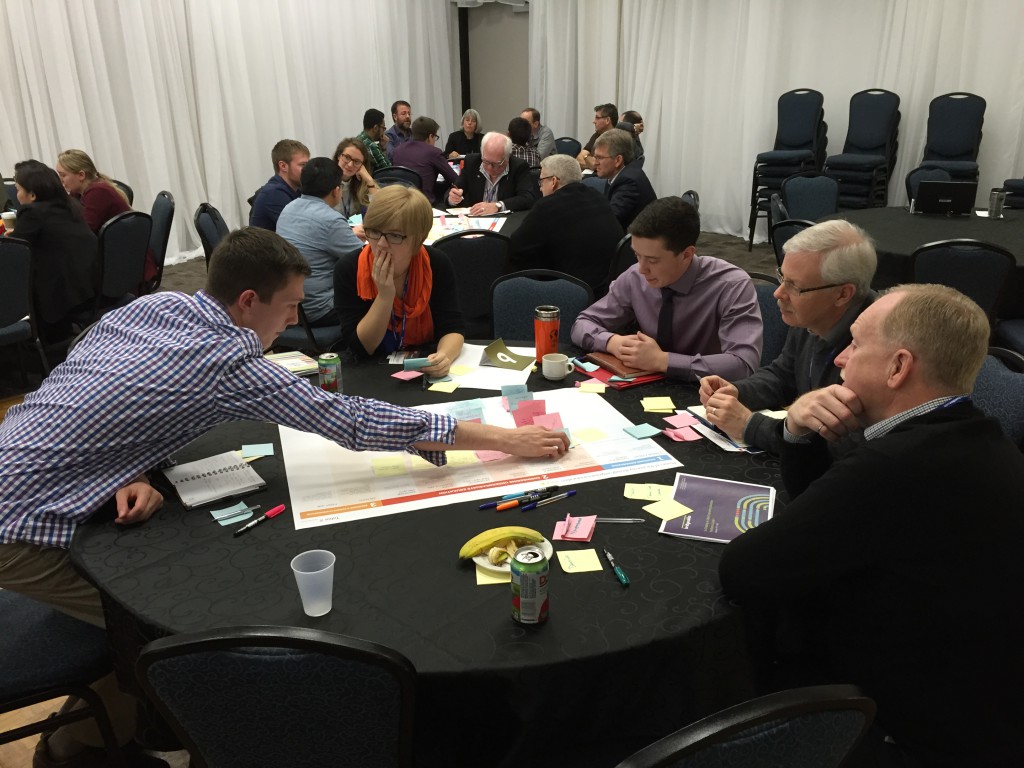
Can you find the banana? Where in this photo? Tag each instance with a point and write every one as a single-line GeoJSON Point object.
{"type": "Point", "coordinates": [482, 542]}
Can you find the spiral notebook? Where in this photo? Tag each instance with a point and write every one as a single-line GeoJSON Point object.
{"type": "Point", "coordinates": [217, 477]}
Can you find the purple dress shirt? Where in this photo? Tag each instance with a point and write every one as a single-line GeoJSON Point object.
{"type": "Point", "coordinates": [716, 321]}
{"type": "Point", "coordinates": [428, 161]}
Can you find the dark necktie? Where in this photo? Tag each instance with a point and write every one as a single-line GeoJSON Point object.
{"type": "Point", "coordinates": [664, 337]}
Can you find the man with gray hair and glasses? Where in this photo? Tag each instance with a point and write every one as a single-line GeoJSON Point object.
{"type": "Point", "coordinates": [572, 229]}
{"type": "Point", "coordinates": [826, 283]}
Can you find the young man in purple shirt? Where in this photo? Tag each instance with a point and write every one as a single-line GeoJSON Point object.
{"type": "Point", "coordinates": [673, 311]}
{"type": "Point", "coordinates": [427, 160]}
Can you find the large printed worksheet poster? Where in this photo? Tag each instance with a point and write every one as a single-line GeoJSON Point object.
{"type": "Point", "coordinates": [330, 484]}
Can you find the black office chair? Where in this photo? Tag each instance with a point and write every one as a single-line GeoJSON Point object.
{"type": "Point", "coordinates": [954, 134]}
{"type": "Point", "coordinates": [775, 330]}
{"type": "Point", "coordinates": [783, 230]}
{"type": "Point", "coordinates": [17, 314]}
{"type": "Point", "coordinates": [567, 145]}
{"type": "Point", "coordinates": [690, 196]}
{"type": "Point", "coordinates": [122, 247]}
{"type": "Point", "coordinates": [247, 696]}
{"type": "Point", "coordinates": [479, 258]}
{"type": "Point", "coordinates": [47, 654]}
{"type": "Point", "coordinates": [515, 296]}
{"type": "Point", "coordinates": [313, 340]}
{"type": "Point", "coordinates": [869, 154]}
{"type": "Point", "coordinates": [211, 228]}
{"type": "Point", "coordinates": [126, 189]}
{"type": "Point", "coordinates": [999, 391]}
{"type": "Point", "coordinates": [917, 175]}
{"type": "Point", "coordinates": [800, 143]}
{"type": "Point", "coordinates": [809, 196]}
{"type": "Point", "coordinates": [162, 216]}
{"type": "Point", "coordinates": [398, 174]}
{"type": "Point", "coordinates": [1014, 189]}
{"type": "Point", "coordinates": [976, 269]}
{"type": "Point", "coordinates": [816, 726]}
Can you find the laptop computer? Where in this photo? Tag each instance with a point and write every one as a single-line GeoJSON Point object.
{"type": "Point", "coordinates": [949, 198]}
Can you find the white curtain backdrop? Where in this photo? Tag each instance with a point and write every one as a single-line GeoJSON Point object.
{"type": "Point", "coordinates": [706, 76]}
{"type": "Point", "coordinates": [190, 95]}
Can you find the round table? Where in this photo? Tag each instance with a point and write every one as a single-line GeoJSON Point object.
{"type": "Point", "coordinates": [613, 668]}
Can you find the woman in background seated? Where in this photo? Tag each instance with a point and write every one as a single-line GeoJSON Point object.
{"type": "Point", "coordinates": [465, 141]}
{"type": "Point", "coordinates": [352, 157]}
{"type": "Point", "coordinates": [396, 293]}
{"type": "Point", "coordinates": [101, 199]}
{"type": "Point", "coordinates": [65, 264]}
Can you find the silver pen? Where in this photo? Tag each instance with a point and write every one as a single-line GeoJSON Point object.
{"type": "Point", "coordinates": [620, 520]}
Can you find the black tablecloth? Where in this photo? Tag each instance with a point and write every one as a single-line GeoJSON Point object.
{"type": "Point", "coordinates": [898, 233]}
{"type": "Point", "coordinates": [612, 669]}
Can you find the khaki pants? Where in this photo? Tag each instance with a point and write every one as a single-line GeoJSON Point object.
{"type": "Point", "coordinates": [46, 574]}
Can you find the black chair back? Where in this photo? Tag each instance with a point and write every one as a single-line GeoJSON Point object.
{"type": "Point", "coordinates": [774, 329]}
{"type": "Point", "coordinates": [623, 259]}
{"type": "Point", "coordinates": [479, 258]}
{"type": "Point", "coordinates": [916, 176]}
{"type": "Point", "coordinates": [123, 245]}
{"type": "Point", "coordinates": [211, 228]}
{"type": "Point", "coordinates": [332, 700]}
{"type": "Point", "coordinates": [810, 196]}
{"type": "Point", "coordinates": [162, 215]}
{"type": "Point", "coordinates": [690, 196]}
{"type": "Point", "coordinates": [567, 145]}
{"type": "Point", "coordinates": [999, 391]}
{"type": "Point", "coordinates": [954, 127]}
{"type": "Point", "coordinates": [975, 268]}
{"type": "Point", "coordinates": [515, 296]}
{"type": "Point", "coordinates": [816, 726]}
{"type": "Point", "coordinates": [307, 338]}
{"type": "Point", "coordinates": [126, 189]}
{"type": "Point", "coordinates": [782, 231]}
{"type": "Point", "coordinates": [398, 174]}
{"type": "Point", "coordinates": [17, 314]}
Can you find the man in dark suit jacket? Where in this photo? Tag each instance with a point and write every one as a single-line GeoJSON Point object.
{"type": "Point", "coordinates": [571, 229]}
{"type": "Point", "coordinates": [898, 568]}
{"type": "Point", "coordinates": [629, 189]}
{"type": "Point", "coordinates": [493, 181]}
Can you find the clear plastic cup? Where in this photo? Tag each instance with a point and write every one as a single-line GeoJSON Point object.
{"type": "Point", "coordinates": [314, 574]}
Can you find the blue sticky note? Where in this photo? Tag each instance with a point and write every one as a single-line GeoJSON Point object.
{"type": "Point", "coordinates": [355, 218]}
{"type": "Point", "coordinates": [415, 363]}
{"type": "Point", "coordinates": [257, 449]}
{"type": "Point", "coordinates": [517, 397]}
{"type": "Point", "coordinates": [642, 430]}
{"type": "Point", "coordinates": [224, 517]}
{"type": "Point", "coordinates": [513, 389]}
{"type": "Point", "coordinates": [616, 378]}
{"type": "Point", "coordinates": [588, 367]}
{"type": "Point", "coordinates": [440, 379]}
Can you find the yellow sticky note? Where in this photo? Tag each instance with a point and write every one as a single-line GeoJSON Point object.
{"type": "Point", "coordinates": [484, 576]}
{"type": "Point", "coordinates": [647, 491]}
{"type": "Point", "coordinates": [593, 386]}
{"type": "Point", "coordinates": [459, 370]}
{"type": "Point", "coordinates": [444, 386]}
{"type": "Point", "coordinates": [588, 435]}
{"type": "Point", "coordinates": [418, 464]}
{"type": "Point", "coordinates": [461, 458]}
{"type": "Point", "coordinates": [667, 509]}
{"type": "Point", "coordinates": [579, 560]}
{"type": "Point", "coordinates": [658, 404]}
{"type": "Point", "coordinates": [388, 466]}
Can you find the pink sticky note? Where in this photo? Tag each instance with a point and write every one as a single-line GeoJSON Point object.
{"type": "Point", "coordinates": [575, 528]}
{"type": "Point", "coordinates": [491, 455]}
{"type": "Point", "coordinates": [406, 375]}
{"type": "Point", "coordinates": [681, 420]}
{"type": "Point", "coordinates": [524, 414]}
{"type": "Point", "coordinates": [549, 420]}
{"type": "Point", "coordinates": [686, 434]}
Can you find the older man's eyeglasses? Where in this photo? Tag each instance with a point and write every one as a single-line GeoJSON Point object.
{"type": "Point", "coordinates": [492, 164]}
{"type": "Point", "coordinates": [395, 238]}
{"type": "Point", "coordinates": [788, 287]}
{"type": "Point", "coordinates": [542, 179]}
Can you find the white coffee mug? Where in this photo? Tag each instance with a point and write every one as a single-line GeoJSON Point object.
{"type": "Point", "coordinates": [556, 366]}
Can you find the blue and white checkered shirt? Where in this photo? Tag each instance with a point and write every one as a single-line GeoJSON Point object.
{"type": "Point", "coordinates": [147, 380]}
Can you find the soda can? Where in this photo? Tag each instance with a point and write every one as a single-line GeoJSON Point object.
{"type": "Point", "coordinates": [330, 372]}
{"type": "Point", "coordinates": [529, 585]}
{"type": "Point", "coordinates": [996, 198]}
{"type": "Point", "coordinates": [545, 330]}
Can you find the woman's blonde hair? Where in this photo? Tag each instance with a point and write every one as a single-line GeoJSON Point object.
{"type": "Point", "coordinates": [77, 161]}
{"type": "Point", "coordinates": [402, 209]}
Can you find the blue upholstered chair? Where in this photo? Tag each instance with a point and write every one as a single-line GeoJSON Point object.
{"type": "Point", "coordinates": [775, 330]}
{"type": "Point", "coordinates": [809, 196]}
{"type": "Point", "coordinates": [398, 174]}
{"type": "Point", "coordinates": [162, 215]}
{"type": "Point", "coordinates": [869, 154]}
{"type": "Point", "coordinates": [1014, 189]}
{"type": "Point", "coordinates": [800, 142]}
{"type": "Point", "coordinates": [310, 339]}
{"type": "Point", "coordinates": [801, 728]}
{"type": "Point", "coordinates": [999, 391]}
{"type": "Point", "coordinates": [690, 196]}
{"type": "Point", "coordinates": [249, 696]}
{"type": "Point", "coordinates": [623, 259]}
{"type": "Point", "coordinates": [783, 230]}
{"type": "Point", "coordinates": [47, 654]}
{"type": "Point", "coordinates": [976, 269]}
{"type": "Point", "coordinates": [567, 145]}
{"type": "Point", "coordinates": [916, 176]}
{"type": "Point", "coordinates": [479, 258]}
{"type": "Point", "coordinates": [211, 228]}
{"type": "Point", "coordinates": [954, 134]}
{"type": "Point", "coordinates": [514, 298]}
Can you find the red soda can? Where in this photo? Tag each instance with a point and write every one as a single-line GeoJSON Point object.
{"type": "Point", "coordinates": [545, 330]}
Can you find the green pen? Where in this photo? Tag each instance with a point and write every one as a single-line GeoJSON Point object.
{"type": "Point", "coordinates": [619, 573]}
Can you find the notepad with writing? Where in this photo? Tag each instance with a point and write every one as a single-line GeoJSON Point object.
{"type": "Point", "coordinates": [214, 478]}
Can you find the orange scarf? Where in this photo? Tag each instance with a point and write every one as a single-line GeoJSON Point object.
{"type": "Point", "coordinates": [411, 310]}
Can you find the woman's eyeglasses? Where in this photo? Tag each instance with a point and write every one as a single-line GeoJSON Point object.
{"type": "Point", "coordinates": [395, 238]}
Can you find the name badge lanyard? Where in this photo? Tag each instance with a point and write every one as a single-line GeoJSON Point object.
{"type": "Point", "coordinates": [394, 318]}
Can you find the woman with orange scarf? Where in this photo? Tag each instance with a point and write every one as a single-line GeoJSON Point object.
{"type": "Point", "coordinates": [396, 293]}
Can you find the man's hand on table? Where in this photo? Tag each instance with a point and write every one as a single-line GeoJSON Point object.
{"type": "Point", "coordinates": [137, 502]}
{"type": "Point", "coordinates": [534, 442]}
{"type": "Point", "coordinates": [639, 351]}
{"type": "Point", "coordinates": [439, 365]}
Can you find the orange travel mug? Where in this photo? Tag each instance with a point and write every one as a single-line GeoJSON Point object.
{"type": "Point", "coordinates": [545, 330]}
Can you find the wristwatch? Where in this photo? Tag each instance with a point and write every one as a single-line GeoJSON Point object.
{"type": "Point", "coordinates": [501, 207]}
